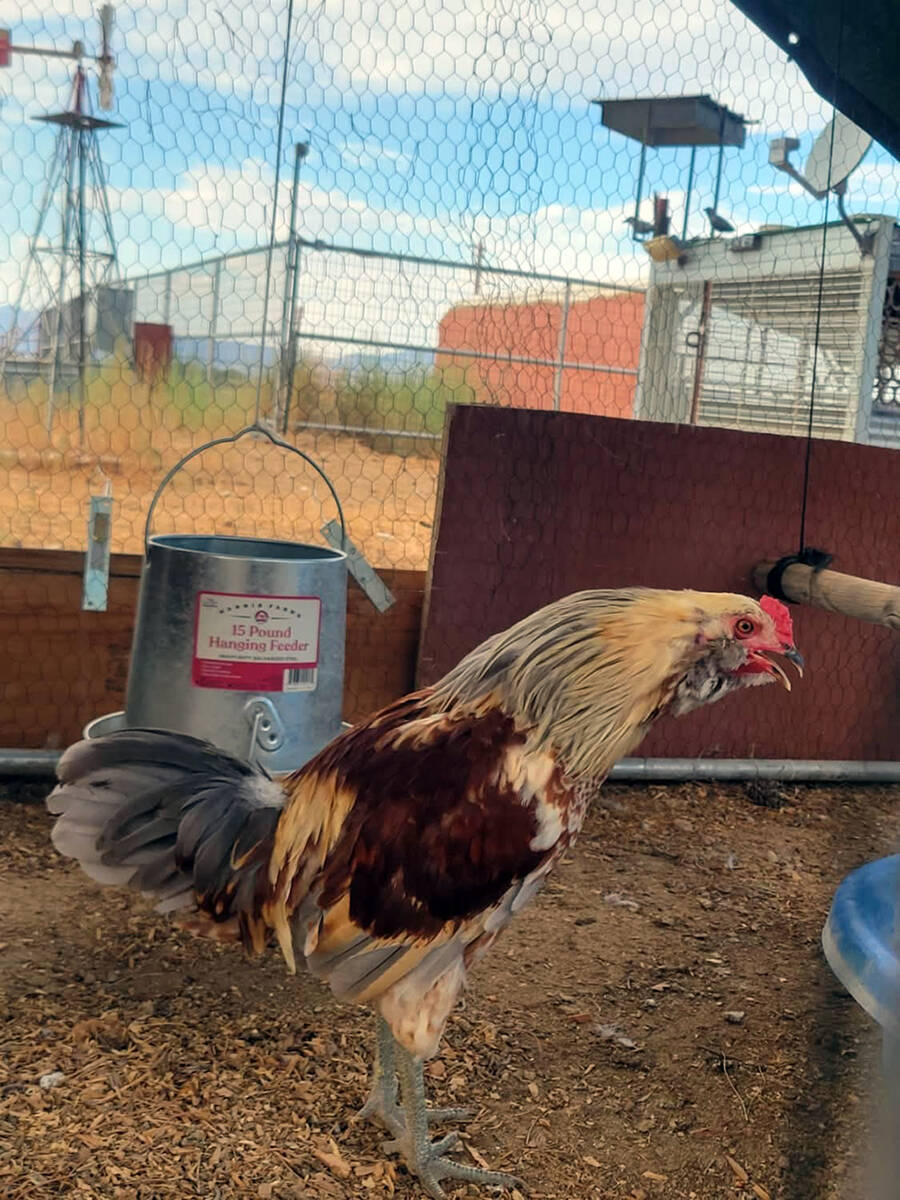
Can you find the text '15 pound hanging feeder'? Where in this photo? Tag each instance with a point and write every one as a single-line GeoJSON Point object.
{"type": "Point", "coordinates": [239, 640]}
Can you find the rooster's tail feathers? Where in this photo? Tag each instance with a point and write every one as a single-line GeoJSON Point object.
{"type": "Point", "coordinates": [171, 816]}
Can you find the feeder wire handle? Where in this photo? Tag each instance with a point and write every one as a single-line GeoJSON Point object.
{"type": "Point", "coordinates": [255, 427]}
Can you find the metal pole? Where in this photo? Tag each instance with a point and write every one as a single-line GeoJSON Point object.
{"type": "Point", "coordinates": [286, 381]}
{"type": "Point", "coordinates": [292, 323]}
{"type": "Point", "coordinates": [82, 280]}
{"type": "Point", "coordinates": [733, 770]}
{"type": "Point", "coordinates": [64, 253]}
{"type": "Point", "coordinates": [561, 349]}
{"type": "Point", "coordinates": [300, 149]}
{"type": "Point", "coordinates": [97, 163]}
{"type": "Point", "coordinates": [687, 196]}
{"type": "Point", "coordinates": [421, 260]}
{"type": "Point", "coordinates": [76, 53]}
{"type": "Point", "coordinates": [640, 183]}
{"type": "Point", "coordinates": [213, 318]}
{"type": "Point", "coordinates": [455, 352]}
{"type": "Point", "coordinates": [286, 59]}
{"type": "Point", "coordinates": [479, 262]}
{"type": "Point", "coordinates": [42, 763]}
{"type": "Point", "coordinates": [292, 364]}
{"type": "Point", "coordinates": [719, 165]}
{"type": "Point", "coordinates": [701, 352]}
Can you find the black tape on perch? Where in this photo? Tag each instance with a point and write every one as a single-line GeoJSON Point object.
{"type": "Point", "coordinates": [808, 557]}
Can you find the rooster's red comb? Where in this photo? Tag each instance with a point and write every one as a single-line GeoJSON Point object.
{"type": "Point", "coordinates": [781, 616]}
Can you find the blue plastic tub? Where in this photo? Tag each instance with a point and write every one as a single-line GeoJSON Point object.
{"type": "Point", "coordinates": [861, 940]}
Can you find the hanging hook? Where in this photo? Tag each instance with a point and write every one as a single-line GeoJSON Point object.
{"type": "Point", "coordinates": [107, 482]}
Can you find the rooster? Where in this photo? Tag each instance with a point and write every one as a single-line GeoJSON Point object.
{"type": "Point", "coordinates": [392, 860]}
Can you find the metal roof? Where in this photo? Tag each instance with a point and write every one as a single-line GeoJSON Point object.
{"type": "Point", "coordinates": [848, 52]}
{"type": "Point", "coordinates": [674, 121]}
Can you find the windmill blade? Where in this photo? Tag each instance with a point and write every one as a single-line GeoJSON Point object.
{"type": "Point", "coordinates": [107, 16]}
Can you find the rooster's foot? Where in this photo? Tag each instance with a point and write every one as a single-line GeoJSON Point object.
{"type": "Point", "coordinates": [428, 1162]}
{"type": "Point", "coordinates": [426, 1159]}
{"type": "Point", "coordinates": [381, 1103]}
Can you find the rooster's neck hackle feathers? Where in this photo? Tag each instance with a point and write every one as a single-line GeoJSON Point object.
{"type": "Point", "coordinates": [588, 672]}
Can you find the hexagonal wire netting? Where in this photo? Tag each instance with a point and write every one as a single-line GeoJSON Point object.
{"type": "Point", "coordinates": [576, 210]}
{"type": "Point", "coordinates": [457, 219]}
{"type": "Point", "coordinates": [339, 225]}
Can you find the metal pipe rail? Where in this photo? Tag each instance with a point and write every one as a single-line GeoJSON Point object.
{"type": "Point", "coordinates": [42, 764]}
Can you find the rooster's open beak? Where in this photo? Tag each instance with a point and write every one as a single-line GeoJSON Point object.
{"type": "Point", "coordinates": [771, 657]}
{"type": "Point", "coordinates": [794, 655]}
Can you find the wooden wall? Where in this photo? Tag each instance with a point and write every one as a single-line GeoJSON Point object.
{"type": "Point", "coordinates": [535, 505]}
{"type": "Point", "coordinates": [61, 667]}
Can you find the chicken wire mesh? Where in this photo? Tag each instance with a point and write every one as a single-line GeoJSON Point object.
{"type": "Point", "coordinates": [343, 223]}
{"type": "Point", "coordinates": [456, 221]}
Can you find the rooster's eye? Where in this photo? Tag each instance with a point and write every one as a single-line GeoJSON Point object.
{"type": "Point", "coordinates": [744, 627]}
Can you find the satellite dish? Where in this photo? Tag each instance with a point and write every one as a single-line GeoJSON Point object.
{"type": "Point", "coordinates": [842, 146]}
{"type": "Point", "coordinates": [836, 153]}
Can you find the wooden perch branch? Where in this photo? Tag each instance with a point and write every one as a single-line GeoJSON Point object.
{"type": "Point", "coordinates": [865, 599]}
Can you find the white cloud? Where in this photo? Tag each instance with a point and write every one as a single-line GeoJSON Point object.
{"type": "Point", "coordinates": [570, 49]}
{"type": "Point", "coordinates": [563, 54]}
{"type": "Point", "coordinates": [233, 207]}
{"type": "Point", "coordinates": [368, 154]}
{"type": "Point", "coordinates": [873, 186]}
{"type": "Point", "coordinates": [564, 240]}
{"type": "Point", "coordinates": [346, 295]}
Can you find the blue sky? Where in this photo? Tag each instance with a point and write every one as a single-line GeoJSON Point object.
{"type": "Point", "coordinates": [434, 125]}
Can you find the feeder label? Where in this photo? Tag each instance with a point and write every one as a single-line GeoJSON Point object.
{"type": "Point", "coordinates": [256, 643]}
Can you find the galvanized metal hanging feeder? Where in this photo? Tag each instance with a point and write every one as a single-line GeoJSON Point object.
{"type": "Point", "coordinates": [239, 640]}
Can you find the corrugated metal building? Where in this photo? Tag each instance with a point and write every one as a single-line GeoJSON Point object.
{"type": "Point", "coordinates": [729, 335]}
{"type": "Point", "coordinates": [734, 335]}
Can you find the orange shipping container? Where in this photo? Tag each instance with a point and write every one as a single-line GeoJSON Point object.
{"type": "Point", "coordinates": [603, 329]}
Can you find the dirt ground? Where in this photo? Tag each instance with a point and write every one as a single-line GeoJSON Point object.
{"type": "Point", "coordinates": [250, 489]}
{"type": "Point", "coordinates": [595, 1044]}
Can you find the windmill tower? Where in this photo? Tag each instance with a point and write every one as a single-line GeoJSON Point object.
{"type": "Point", "coordinates": [72, 250]}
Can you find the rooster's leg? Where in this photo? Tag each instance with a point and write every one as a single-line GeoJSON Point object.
{"type": "Point", "coordinates": [381, 1103]}
{"type": "Point", "coordinates": [425, 1158]}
